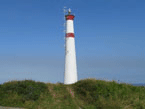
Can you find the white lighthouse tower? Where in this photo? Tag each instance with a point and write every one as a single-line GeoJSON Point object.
{"type": "Point", "coordinates": [70, 75]}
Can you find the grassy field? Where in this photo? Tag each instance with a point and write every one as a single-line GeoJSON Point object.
{"type": "Point", "coordinates": [85, 94]}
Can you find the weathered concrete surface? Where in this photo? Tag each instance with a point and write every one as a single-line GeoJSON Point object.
{"type": "Point", "coordinates": [2, 107]}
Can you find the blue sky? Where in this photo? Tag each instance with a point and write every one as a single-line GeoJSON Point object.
{"type": "Point", "coordinates": [109, 35]}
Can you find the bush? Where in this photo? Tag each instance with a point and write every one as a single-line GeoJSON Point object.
{"type": "Point", "coordinates": [28, 89]}
{"type": "Point", "coordinates": [90, 90]}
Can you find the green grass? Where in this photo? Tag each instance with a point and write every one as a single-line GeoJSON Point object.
{"type": "Point", "coordinates": [85, 94]}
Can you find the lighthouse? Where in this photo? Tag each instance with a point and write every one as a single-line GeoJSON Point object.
{"type": "Point", "coordinates": [70, 74]}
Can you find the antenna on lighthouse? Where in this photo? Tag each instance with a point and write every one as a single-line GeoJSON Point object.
{"type": "Point", "coordinates": [69, 11]}
{"type": "Point", "coordinates": [64, 24]}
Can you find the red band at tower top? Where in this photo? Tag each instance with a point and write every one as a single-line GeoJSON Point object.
{"type": "Point", "coordinates": [69, 17]}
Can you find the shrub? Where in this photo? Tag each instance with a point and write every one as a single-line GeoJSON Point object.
{"type": "Point", "coordinates": [28, 89]}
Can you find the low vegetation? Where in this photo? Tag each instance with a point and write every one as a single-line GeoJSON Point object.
{"type": "Point", "coordinates": [85, 94]}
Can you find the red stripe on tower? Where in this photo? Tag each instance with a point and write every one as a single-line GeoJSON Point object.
{"type": "Point", "coordinates": [70, 35]}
